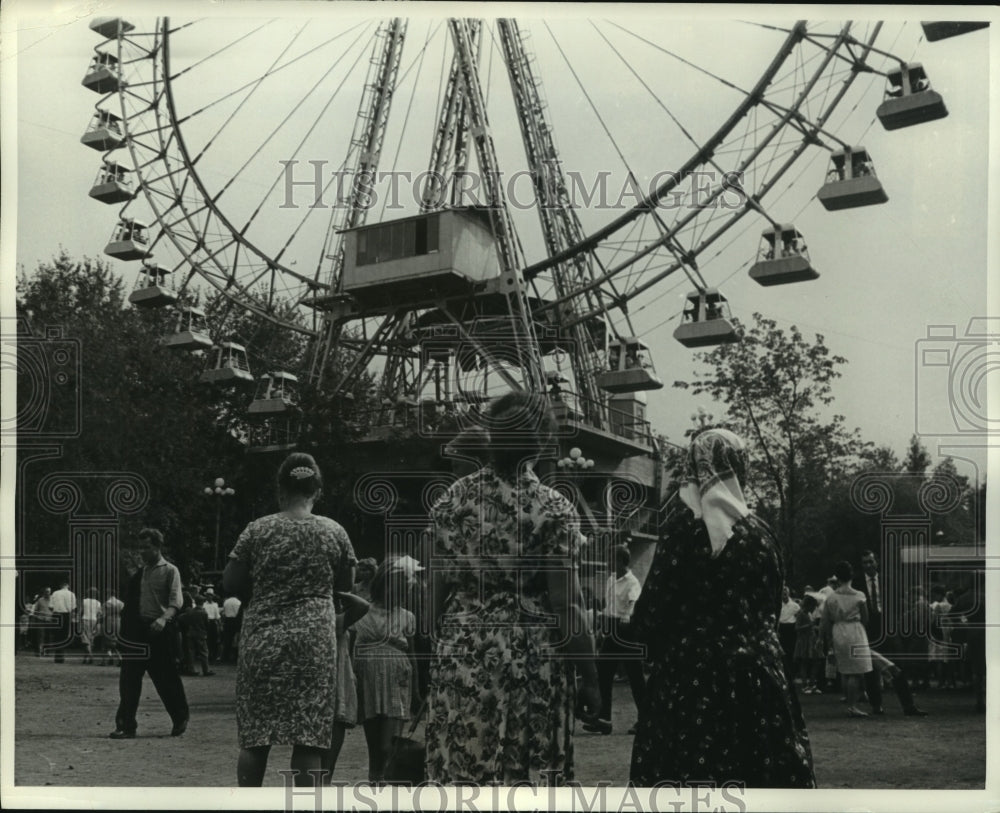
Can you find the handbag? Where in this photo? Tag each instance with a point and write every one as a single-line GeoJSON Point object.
{"type": "Point", "coordinates": [405, 762]}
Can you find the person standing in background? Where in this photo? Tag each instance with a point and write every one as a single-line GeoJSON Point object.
{"type": "Point", "coordinates": [214, 615]}
{"type": "Point", "coordinates": [786, 629]}
{"type": "Point", "coordinates": [42, 615]}
{"type": "Point", "coordinates": [63, 604]}
{"type": "Point", "coordinates": [621, 591]}
{"type": "Point", "coordinates": [90, 626]}
{"type": "Point", "coordinates": [112, 628]}
{"type": "Point", "coordinates": [871, 585]}
{"type": "Point", "coordinates": [231, 620]}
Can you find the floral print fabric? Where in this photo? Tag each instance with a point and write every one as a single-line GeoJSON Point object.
{"type": "Point", "coordinates": [286, 672]}
{"type": "Point", "coordinates": [718, 704]}
{"type": "Point", "coordinates": [501, 701]}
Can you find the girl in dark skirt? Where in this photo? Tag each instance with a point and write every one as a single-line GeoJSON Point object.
{"type": "Point", "coordinates": [718, 705]}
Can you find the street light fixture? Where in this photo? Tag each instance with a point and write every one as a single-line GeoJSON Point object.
{"type": "Point", "coordinates": [576, 461]}
{"type": "Point", "coordinates": [218, 490]}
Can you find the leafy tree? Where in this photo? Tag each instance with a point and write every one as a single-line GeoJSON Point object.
{"type": "Point", "coordinates": [777, 388]}
{"type": "Point", "coordinates": [917, 460]}
{"type": "Point", "coordinates": [141, 409]}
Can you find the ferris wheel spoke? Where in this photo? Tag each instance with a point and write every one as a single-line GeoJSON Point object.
{"type": "Point", "coordinates": [294, 157]}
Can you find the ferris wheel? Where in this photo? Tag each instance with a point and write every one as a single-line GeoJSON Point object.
{"type": "Point", "coordinates": [418, 195]}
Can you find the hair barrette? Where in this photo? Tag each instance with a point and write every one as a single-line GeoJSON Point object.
{"type": "Point", "coordinates": [301, 472]}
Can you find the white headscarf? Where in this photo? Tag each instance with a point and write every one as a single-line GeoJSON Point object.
{"type": "Point", "coordinates": [713, 483]}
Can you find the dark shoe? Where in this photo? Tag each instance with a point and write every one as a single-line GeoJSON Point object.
{"type": "Point", "coordinates": [878, 711]}
{"type": "Point", "coordinates": [179, 728]}
{"type": "Point", "coordinates": [914, 711]}
{"type": "Point", "coordinates": [598, 727]}
{"type": "Point", "coordinates": [207, 674]}
{"type": "Point", "coordinates": [119, 734]}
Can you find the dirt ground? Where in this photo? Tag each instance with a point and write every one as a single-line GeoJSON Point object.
{"type": "Point", "coordinates": [64, 713]}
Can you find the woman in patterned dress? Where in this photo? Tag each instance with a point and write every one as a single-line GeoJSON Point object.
{"type": "Point", "coordinates": [505, 548]}
{"type": "Point", "coordinates": [718, 705]}
{"type": "Point", "coordinates": [291, 562]}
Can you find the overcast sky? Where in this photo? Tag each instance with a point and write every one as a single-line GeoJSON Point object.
{"type": "Point", "coordinates": [887, 272]}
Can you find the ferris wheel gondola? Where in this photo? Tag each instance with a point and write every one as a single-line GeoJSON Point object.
{"type": "Point", "coordinates": [153, 290]}
{"type": "Point", "coordinates": [192, 331]}
{"type": "Point", "coordinates": [129, 240]}
{"type": "Point", "coordinates": [630, 368]}
{"type": "Point", "coordinates": [228, 365]}
{"type": "Point", "coordinates": [112, 184]}
{"type": "Point", "coordinates": [706, 321]}
{"type": "Point", "coordinates": [935, 31]}
{"type": "Point", "coordinates": [782, 258]}
{"type": "Point", "coordinates": [104, 132]}
{"type": "Point", "coordinates": [851, 181]}
{"type": "Point", "coordinates": [103, 75]}
{"type": "Point", "coordinates": [909, 98]}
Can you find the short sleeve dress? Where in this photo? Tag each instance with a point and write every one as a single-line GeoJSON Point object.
{"type": "Point", "coordinates": [842, 609]}
{"type": "Point", "coordinates": [501, 703]}
{"type": "Point", "coordinates": [381, 663]}
{"type": "Point", "coordinates": [718, 704]}
{"type": "Point", "coordinates": [286, 672]}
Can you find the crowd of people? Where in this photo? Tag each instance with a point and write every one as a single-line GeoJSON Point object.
{"type": "Point", "coordinates": [834, 640]}
{"type": "Point", "coordinates": [485, 633]}
{"type": "Point", "coordinates": [203, 635]}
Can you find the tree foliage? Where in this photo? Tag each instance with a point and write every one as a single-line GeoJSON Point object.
{"type": "Point", "coordinates": [142, 410]}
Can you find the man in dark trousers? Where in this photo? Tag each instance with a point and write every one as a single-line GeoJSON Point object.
{"type": "Point", "coordinates": [152, 600]}
{"type": "Point", "coordinates": [871, 585]}
{"type": "Point", "coordinates": [621, 592]}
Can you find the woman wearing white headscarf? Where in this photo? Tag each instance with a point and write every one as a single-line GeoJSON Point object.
{"type": "Point", "coordinates": [718, 704]}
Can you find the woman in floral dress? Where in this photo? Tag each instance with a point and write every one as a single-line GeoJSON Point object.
{"type": "Point", "coordinates": [292, 562]}
{"type": "Point", "coordinates": [501, 699]}
{"type": "Point", "coordinates": [718, 704]}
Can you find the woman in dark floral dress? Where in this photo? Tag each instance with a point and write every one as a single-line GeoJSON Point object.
{"type": "Point", "coordinates": [286, 690]}
{"type": "Point", "coordinates": [718, 706]}
{"type": "Point", "coordinates": [501, 700]}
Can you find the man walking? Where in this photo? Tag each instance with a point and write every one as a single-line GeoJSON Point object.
{"type": "Point", "coordinates": [871, 585]}
{"type": "Point", "coordinates": [152, 601]}
{"type": "Point", "coordinates": [63, 606]}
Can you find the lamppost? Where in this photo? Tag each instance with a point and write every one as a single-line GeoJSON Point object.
{"type": "Point", "coordinates": [218, 490]}
{"type": "Point", "coordinates": [575, 462]}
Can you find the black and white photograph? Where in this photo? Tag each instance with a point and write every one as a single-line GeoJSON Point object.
{"type": "Point", "coordinates": [577, 406]}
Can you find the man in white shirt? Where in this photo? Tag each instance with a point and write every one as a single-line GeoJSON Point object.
{"type": "Point", "coordinates": [620, 594]}
{"type": "Point", "coordinates": [230, 627]}
{"type": "Point", "coordinates": [214, 623]}
{"type": "Point", "coordinates": [90, 622]}
{"type": "Point", "coordinates": [786, 628]}
{"type": "Point", "coordinates": [63, 606]}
